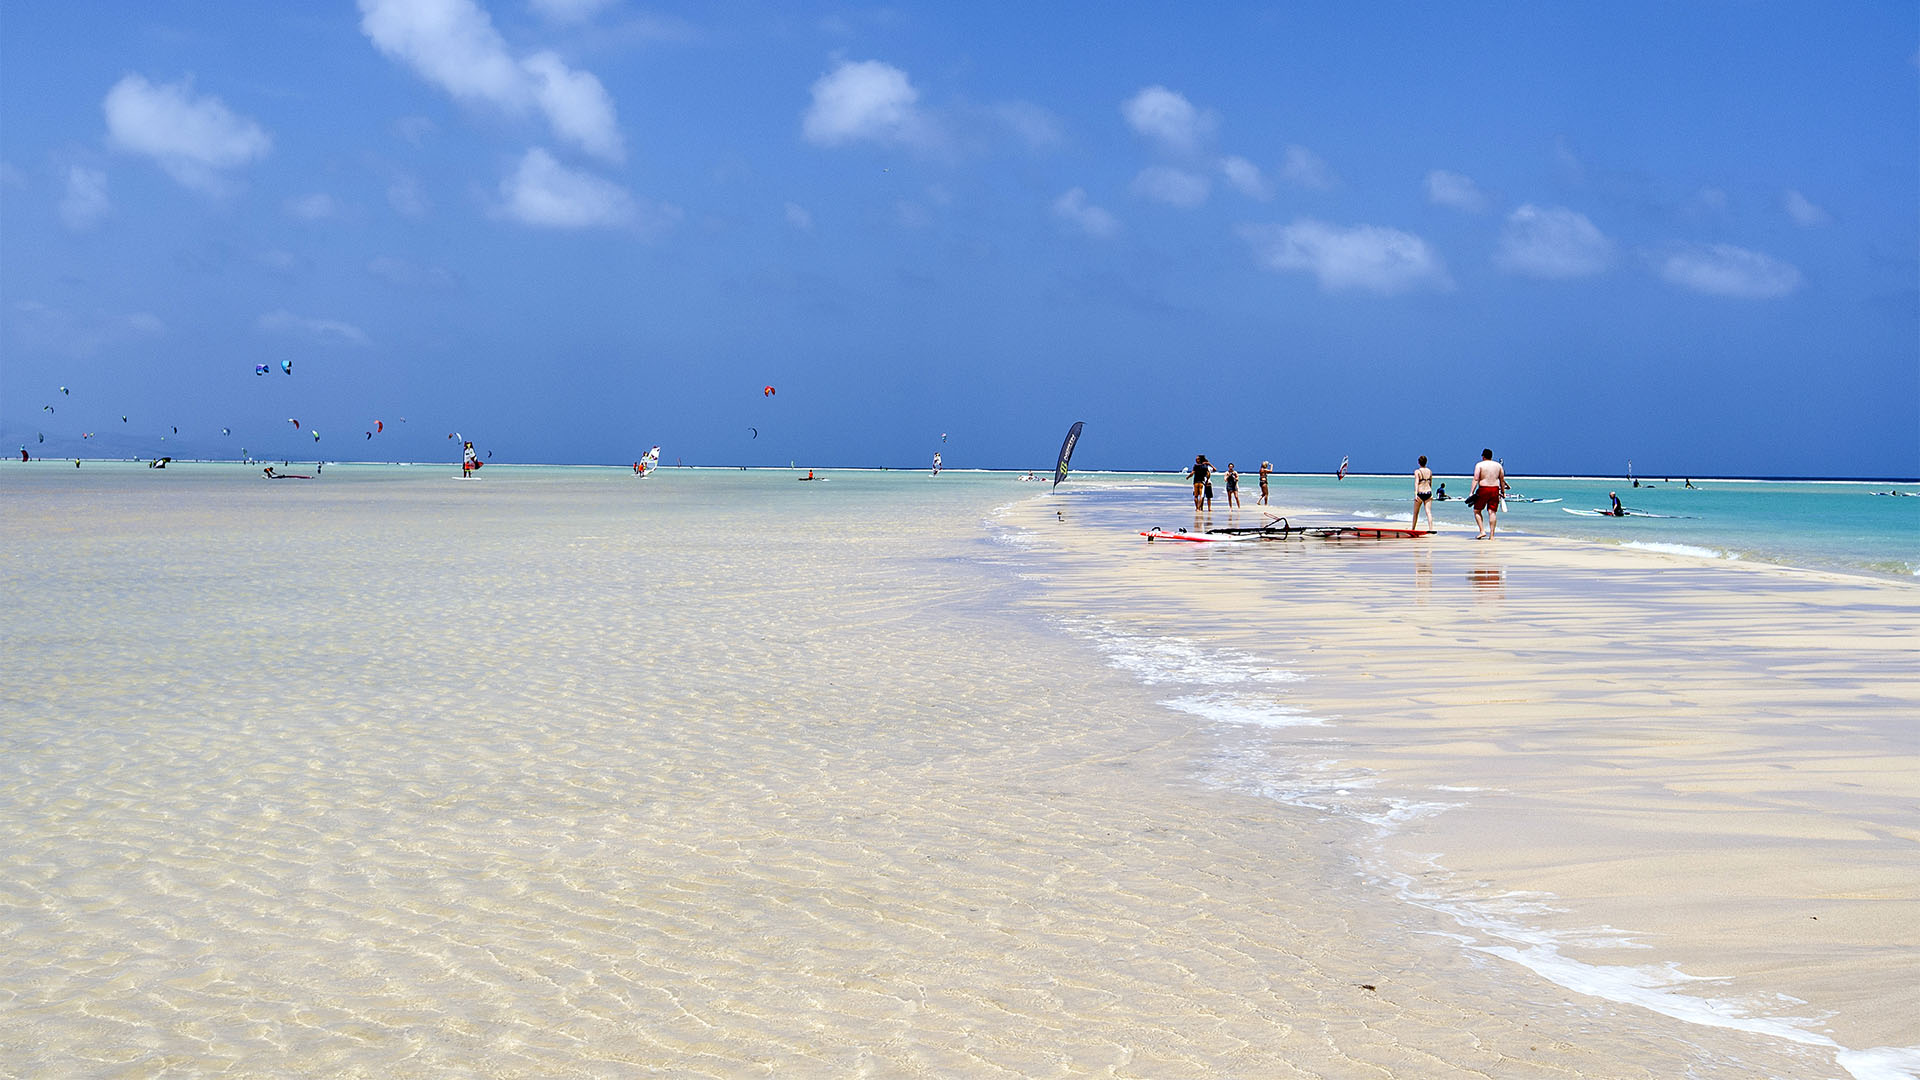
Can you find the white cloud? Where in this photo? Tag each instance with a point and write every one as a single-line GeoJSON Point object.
{"type": "Point", "coordinates": [1170, 120]}
{"type": "Point", "coordinates": [195, 139]}
{"type": "Point", "coordinates": [315, 207]}
{"type": "Point", "coordinates": [1804, 212]}
{"type": "Point", "coordinates": [1073, 207]}
{"type": "Point", "coordinates": [1306, 169]}
{"type": "Point", "coordinates": [453, 45]}
{"type": "Point", "coordinates": [542, 191]}
{"type": "Point", "coordinates": [1454, 190]}
{"type": "Point", "coordinates": [1725, 270]}
{"type": "Point", "coordinates": [1245, 176]}
{"type": "Point", "coordinates": [1552, 242]}
{"type": "Point", "coordinates": [414, 129]}
{"type": "Point", "coordinates": [865, 100]}
{"type": "Point", "coordinates": [286, 322]}
{"type": "Point", "coordinates": [1370, 258]}
{"type": "Point", "coordinates": [798, 217]}
{"type": "Point", "coordinates": [569, 11]}
{"type": "Point", "coordinates": [576, 105]}
{"type": "Point", "coordinates": [1175, 187]}
{"type": "Point", "coordinates": [86, 202]}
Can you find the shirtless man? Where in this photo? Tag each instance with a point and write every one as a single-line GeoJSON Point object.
{"type": "Point", "coordinates": [1489, 480]}
{"type": "Point", "coordinates": [1423, 493]}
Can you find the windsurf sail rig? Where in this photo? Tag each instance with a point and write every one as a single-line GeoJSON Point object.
{"type": "Point", "coordinates": [1066, 452]}
{"type": "Point", "coordinates": [648, 462]}
{"type": "Point", "coordinates": [1342, 474]}
{"type": "Point", "coordinates": [936, 464]}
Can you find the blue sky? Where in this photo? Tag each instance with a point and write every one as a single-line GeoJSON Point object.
{"type": "Point", "coordinates": [1682, 234]}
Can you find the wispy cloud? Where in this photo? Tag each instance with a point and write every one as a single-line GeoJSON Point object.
{"type": "Point", "coordinates": [317, 206]}
{"type": "Point", "coordinates": [1074, 209]}
{"type": "Point", "coordinates": [42, 327]}
{"type": "Point", "coordinates": [1725, 270]}
{"type": "Point", "coordinates": [867, 101]}
{"type": "Point", "coordinates": [1451, 189]}
{"type": "Point", "coordinates": [540, 191]}
{"type": "Point", "coordinates": [1367, 258]}
{"type": "Point", "coordinates": [1175, 187]}
{"type": "Point", "coordinates": [286, 322]}
{"type": "Point", "coordinates": [403, 194]}
{"type": "Point", "coordinates": [1304, 168]}
{"type": "Point", "coordinates": [1246, 178]}
{"type": "Point", "coordinates": [196, 139]}
{"type": "Point", "coordinates": [1804, 212]}
{"type": "Point", "coordinates": [85, 202]}
{"type": "Point", "coordinates": [570, 11]}
{"type": "Point", "coordinates": [1552, 242]}
{"type": "Point", "coordinates": [408, 274]}
{"type": "Point", "coordinates": [1170, 120]}
{"type": "Point", "coordinates": [453, 45]}
{"type": "Point", "coordinates": [1031, 124]}
{"type": "Point", "coordinates": [799, 218]}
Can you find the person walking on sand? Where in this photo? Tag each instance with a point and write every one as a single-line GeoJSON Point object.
{"type": "Point", "coordinates": [1423, 493]}
{"type": "Point", "coordinates": [1202, 480]}
{"type": "Point", "coordinates": [1489, 480]}
{"type": "Point", "coordinates": [1266, 470]}
{"type": "Point", "coordinates": [1233, 486]}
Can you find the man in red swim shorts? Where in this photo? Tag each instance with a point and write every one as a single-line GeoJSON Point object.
{"type": "Point", "coordinates": [1489, 480]}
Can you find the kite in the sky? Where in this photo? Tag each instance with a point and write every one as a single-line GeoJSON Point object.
{"type": "Point", "coordinates": [260, 369]}
{"type": "Point", "coordinates": [756, 432]}
{"type": "Point", "coordinates": [767, 391]}
{"type": "Point", "coordinates": [286, 366]}
{"type": "Point", "coordinates": [49, 408]}
{"type": "Point", "coordinates": [295, 423]}
{"type": "Point", "coordinates": [66, 391]}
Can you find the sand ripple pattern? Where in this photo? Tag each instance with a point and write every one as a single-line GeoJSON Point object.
{"type": "Point", "coordinates": [428, 778]}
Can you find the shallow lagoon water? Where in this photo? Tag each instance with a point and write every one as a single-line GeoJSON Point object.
{"type": "Point", "coordinates": [559, 772]}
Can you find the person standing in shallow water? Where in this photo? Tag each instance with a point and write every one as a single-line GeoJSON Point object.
{"type": "Point", "coordinates": [1423, 493]}
{"type": "Point", "coordinates": [1233, 486]}
{"type": "Point", "coordinates": [1489, 480]}
{"type": "Point", "coordinates": [469, 460]}
{"type": "Point", "coordinates": [1202, 480]}
{"type": "Point", "coordinates": [1266, 470]}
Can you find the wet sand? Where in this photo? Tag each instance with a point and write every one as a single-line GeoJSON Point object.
{"type": "Point", "coordinates": [1618, 760]}
{"type": "Point", "coordinates": [569, 777]}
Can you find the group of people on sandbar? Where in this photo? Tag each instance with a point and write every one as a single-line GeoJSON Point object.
{"type": "Point", "coordinates": [1489, 487]}
{"type": "Point", "coordinates": [1202, 472]}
